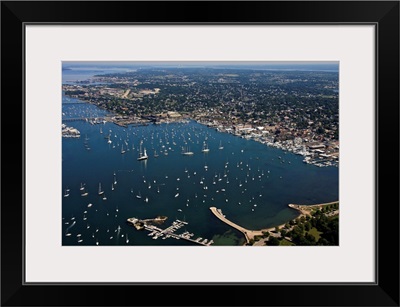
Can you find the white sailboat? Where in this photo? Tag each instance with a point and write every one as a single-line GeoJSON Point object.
{"type": "Point", "coordinates": [84, 192]}
{"type": "Point", "coordinates": [187, 152]}
{"type": "Point", "coordinates": [100, 190]}
{"type": "Point", "coordinates": [205, 148]}
{"type": "Point", "coordinates": [122, 149]}
{"type": "Point", "coordinates": [220, 145]}
{"type": "Point", "coordinates": [66, 193]}
{"type": "Point", "coordinates": [139, 195]}
{"type": "Point", "coordinates": [142, 156]}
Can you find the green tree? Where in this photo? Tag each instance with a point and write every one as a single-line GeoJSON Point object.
{"type": "Point", "coordinates": [273, 241]}
{"type": "Point", "coordinates": [322, 241]}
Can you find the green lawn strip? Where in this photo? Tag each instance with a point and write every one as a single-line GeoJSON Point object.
{"type": "Point", "coordinates": [314, 232]}
{"type": "Point", "coordinates": [285, 242]}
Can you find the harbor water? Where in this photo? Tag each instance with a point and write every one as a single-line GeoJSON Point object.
{"type": "Point", "coordinates": [250, 182]}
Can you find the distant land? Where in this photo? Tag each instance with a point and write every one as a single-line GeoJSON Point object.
{"type": "Point", "coordinates": [314, 66]}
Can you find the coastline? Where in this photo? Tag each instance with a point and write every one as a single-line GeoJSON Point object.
{"type": "Point", "coordinates": [304, 210]}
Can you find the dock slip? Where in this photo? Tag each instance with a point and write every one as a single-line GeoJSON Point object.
{"type": "Point", "coordinates": [168, 232]}
{"type": "Point", "coordinates": [249, 234]}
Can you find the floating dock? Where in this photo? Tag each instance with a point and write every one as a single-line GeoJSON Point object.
{"type": "Point", "coordinates": [169, 232]}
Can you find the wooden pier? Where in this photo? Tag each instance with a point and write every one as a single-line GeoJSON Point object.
{"type": "Point", "coordinates": [169, 232]}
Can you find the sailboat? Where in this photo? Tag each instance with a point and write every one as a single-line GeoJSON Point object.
{"type": "Point", "coordinates": [66, 193]}
{"type": "Point", "coordinates": [142, 156]}
{"type": "Point", "coordinates": [100, 190]}
{"type": "Point", "coordinates": [138, 195]}
{"type": "Point", "coordinates": [205, 148]}
{"type": "Point", "coordinates": [84, 193]}
{"type": "Point", "coordinates": [112, 186]}
{"type": "Point", "coordinates": [155, 154]}
{"type": "Point", "coordinates": [82, 187]}
{"type": "Point", "coordinates": [220, 145]}
{"type": "Point", "coordinates": [122, 149]}
{"type": "Point", "coordinates": [187, 152]}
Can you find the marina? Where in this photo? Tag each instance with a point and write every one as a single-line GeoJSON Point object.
{"type": "Point", "coordinates": [169, 232]}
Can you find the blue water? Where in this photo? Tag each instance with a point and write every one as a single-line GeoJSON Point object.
{"type": "Point", "coordinates": [75, 74]}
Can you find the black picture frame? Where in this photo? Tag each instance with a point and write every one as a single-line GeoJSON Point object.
{"type": "Point", "coordinates": [383, 14]}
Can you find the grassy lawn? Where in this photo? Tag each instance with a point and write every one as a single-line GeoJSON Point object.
{"type": "Point", "coordinates": [285, 242]}
{"type": "Point", "coordinates": [314, 232]}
